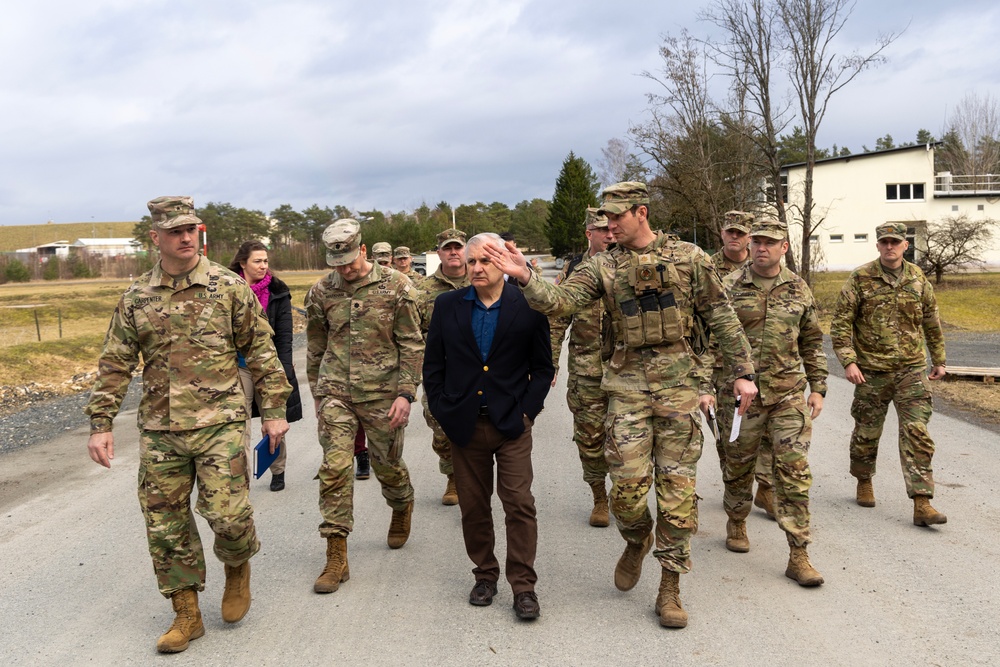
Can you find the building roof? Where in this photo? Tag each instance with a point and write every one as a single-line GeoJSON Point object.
{"type": "Point", "coordinates": [116, 241]}
{"type": "Point", "coordinates": [856, 156]}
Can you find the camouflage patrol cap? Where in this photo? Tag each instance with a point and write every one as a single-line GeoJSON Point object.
{"type": "Point", "coordinates": [381, 248]}
{"type": "Point", "coordinates": [343, 242]}
{"type": "Point", "coordinates": [451, 236]}
{"type": "Point", "coordinates": [891, 230]}
{"type": "Point", "coordinates": [774, 229]}
{"type": "Point", "coordinates": [740, 220]}
{"type": "Point", "coordinates": [595, 219]}
{"type": "Point", "coordinates": [169, 212]}
{"type": "Point", "coordinates": [401, 251]}
{"type": "Point", "coordinates": [620, 197]}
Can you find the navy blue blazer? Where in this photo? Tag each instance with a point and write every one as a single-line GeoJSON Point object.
{"type": "Point", "coordinates": [514, 379]}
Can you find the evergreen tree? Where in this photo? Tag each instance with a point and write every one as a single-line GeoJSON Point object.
{"type": "Point", "coordinates": [576, 189]}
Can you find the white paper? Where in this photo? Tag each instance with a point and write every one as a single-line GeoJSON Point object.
{"type": "Point", "coordinates": [737, 422]}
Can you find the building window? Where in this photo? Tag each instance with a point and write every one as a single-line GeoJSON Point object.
{"type": "Point", "coordinates": [904, 191]}
{"type": "Point", "coordinates": [981, 207]}
{"type": "Point", "coordinates": [954, 208]}
{"type": "Point", "coordinates": [836, 238]}
{"type": "Point", "coordinates": [861, 238]}
{"type": "Point", "coordinates": [814, 238]}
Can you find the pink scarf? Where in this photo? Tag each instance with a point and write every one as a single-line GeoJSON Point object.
{"type": "Point", "coordinates": [261, 291]}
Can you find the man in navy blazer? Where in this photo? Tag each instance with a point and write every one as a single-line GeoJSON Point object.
{"type": "Point", "coordinates": [487, 370]}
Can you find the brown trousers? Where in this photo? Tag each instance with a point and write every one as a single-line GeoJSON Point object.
{"type": "Point", "coordinates": [474, 481]}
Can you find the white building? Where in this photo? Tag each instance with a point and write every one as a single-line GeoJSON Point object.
{"type": "Point", "coordinates": [854, 194]}
{"type": "Point", "coordinates": [109, 247]}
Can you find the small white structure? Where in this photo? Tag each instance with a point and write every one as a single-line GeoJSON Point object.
{"type": "Point", "coordinates": [109, 247]}
{"type": "Point", "coordinates": [854, 194]}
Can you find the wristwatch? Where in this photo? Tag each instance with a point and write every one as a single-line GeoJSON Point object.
{"type": "Point", "coordinates": [407, 396]}
{"type": "Point", "coordinates": [748, 376]}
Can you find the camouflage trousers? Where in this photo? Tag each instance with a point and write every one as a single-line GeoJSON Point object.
{"type": "Point", "coordinates": [788, 428]}
{"type": "Point", "coordinates": [169, 465]}
{"type": "Point", "coordinates": [338, 423]}
{"type": "Point", "coordinates": [724, 420]}
{"type": "Point", "coordinates": [589, 405]}
{"type": "Point", "coordinates": [439, 441]}
{"type": "Point", "coordinates": [278, 466]}
{"type": "Point", "coordinates": [909, 390]}
{"type": "Point", "coordinates": [649, 443]}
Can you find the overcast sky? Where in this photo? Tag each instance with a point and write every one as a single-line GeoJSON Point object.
{"type": "Point", "coordinates": [108, 103]}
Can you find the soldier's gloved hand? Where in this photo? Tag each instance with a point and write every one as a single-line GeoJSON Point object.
{"type": "Point", "coordinates": [101, 448]}
{"type": "Point", "coordinates": [276, 429]}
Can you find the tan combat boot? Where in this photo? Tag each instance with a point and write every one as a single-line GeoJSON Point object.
{"type": "Point", "coordinates": [629, 566]}
{"type": "Point", "coordinates": [764, 499]}
{"type": "Point", "coordinates": [337, 570]}
{"type": "Point", "coordinates": [736, 536]}
{"type": "Point", "coordinates": [668, 601]}
{"type": "Point", "coordinates": [236, 597]}
{"type": "Point", "coordinates": [866, 494]}
{"type": "Point", "coordinates": [187, 623]}
{"type": "Point", "coordinates": [600, 517]}
{"type": "Point", "coordinates": [450, 496]}
{"type": "Point", "coordinates": [924, 514]}
{"type": "Point", "coordinates": [800, 569]}
{"type": "Point", "coordinates": [399, 527]}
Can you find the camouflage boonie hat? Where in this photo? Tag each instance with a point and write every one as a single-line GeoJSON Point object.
{"type": "Point", "coordinates": [595, 219]}
{"type": "Point", "coordinates": [381, 248]}
{"type": "Point", "coordinates": [169, 212]}
{"type": "Point", "coordinates": [740, 220]}
{"type": "Point", "coordinates": [401, 251]}
{"type": "Point", "coordinates": [451, 236]}
{"type": "Point", "coordinates": [621, 197]}
{"type": "Point", "coordinates": [343, 242]}
{"type": "Point", "coordinates": [774, 229]}
{"type": "Point", "coordinates": [891, 230]}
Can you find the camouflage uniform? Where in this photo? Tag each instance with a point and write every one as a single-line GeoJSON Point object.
{"type": "Point", "coordinates": [364, 350]}
{"type": "Point", "coordinates": [652, 387]}
{"type": "Point", "coordinates": [428, 289]}
{"type": "Point", "coordinates": [782, 327]}
{"type": "Point", "coordinates": [193, 409]}
{"type": "Point", "coordinates": [881, 324]}
{"type": "Point", "coordinates": [586, 400]}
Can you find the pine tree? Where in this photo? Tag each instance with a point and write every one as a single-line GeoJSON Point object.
{"type": "Point", "coordinates": [576, 189]}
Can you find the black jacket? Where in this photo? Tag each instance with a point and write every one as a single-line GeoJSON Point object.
{"type": "Point", "coordinates": [279, 316]}
{"type": "Point", "coordinates": [514, 379]}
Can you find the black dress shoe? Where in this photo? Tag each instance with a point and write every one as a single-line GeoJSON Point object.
{"type": "Point", "coordinates": [483, 592]}
{"type": "Point", "coordinates": [277, 481]}
{"type": "Point", "coordinates": [526, 606]}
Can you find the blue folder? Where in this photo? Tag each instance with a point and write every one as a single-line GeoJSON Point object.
{"type": "Point", "coordinates": [262, 456]}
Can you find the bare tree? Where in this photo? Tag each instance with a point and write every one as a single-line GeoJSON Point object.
{"type": "Point", "coordinates": [808, 30]}
{"type": "Point", "coordinates": [747, 54]}
{"type": "Point", "coordinates": [954, 243]}
{"type": "Point", "coordinates": [613, 163]}
{"type": "Point", "coordinates": [972, 141]}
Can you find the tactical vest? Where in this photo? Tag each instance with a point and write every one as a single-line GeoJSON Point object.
{"type": "Point", "coordinates": [647, 299]}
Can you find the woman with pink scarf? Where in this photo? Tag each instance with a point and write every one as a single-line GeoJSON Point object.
{"type": "Point", "coordinates": [251, 264]}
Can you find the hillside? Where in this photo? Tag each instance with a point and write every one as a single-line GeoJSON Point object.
{"type": "Point", "coordinates": [23, 236]}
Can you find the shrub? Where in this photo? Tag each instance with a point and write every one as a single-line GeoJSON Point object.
{"type": "Point", "coordinates": [17, 272]}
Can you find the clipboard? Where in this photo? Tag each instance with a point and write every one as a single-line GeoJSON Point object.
{"type": "Point", "coordinates": [262, 456]}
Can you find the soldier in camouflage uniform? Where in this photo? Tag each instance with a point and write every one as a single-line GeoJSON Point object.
{"type": "Point", "coordinates": [778, 314]}
{"type": "Point", "coordinates": [402, 261]}
{"type": "Point", "coordinates": [885, 315]}
{"type": "Point", "coordinates": [187, 318]}
{"type": "Point", "coordinates": [382, 253]}
{"type": "Point", "coordinates": [586, 399]}
{"type": "Point", "coordinates": [450, 275]}
{"type": "Point", "coordinates": [733, 256]}
{"type": "Point", "coordinates": [651, 284]}
{"type": "Point", "coordinates": [363, 363]}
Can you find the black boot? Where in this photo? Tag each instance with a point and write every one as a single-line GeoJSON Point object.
{"type": "Point", "coordinates": [364, 468]}
{"type": "Point", "coordinates": [277, 481]}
